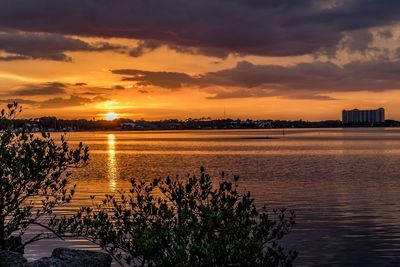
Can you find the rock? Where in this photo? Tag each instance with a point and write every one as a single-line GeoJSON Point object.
{"type": "Point", "coordinates": [46, 262]}
{"type": "Point", "coordinates": [9, 258]}
{"type": "Point", "coordinates": [14, 243]}
{"type": "Point", "coordinates": [65, 257]}
{"type": "Point", "coordinates": [89, 258]}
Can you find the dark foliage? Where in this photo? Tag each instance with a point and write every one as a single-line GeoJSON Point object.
{"type": "Point", "coordinates": [190, 222]}
{"type": "Point", "coordinates": [33, 178]}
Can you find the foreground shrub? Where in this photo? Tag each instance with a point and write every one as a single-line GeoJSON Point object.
{"type": "Point", "coordinates": [171, 222]}
{"type": "Point", "coordinates": [33, 178]}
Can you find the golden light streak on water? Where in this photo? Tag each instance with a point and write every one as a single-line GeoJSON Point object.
{"type": "Point", "coordinates": [112, 162]}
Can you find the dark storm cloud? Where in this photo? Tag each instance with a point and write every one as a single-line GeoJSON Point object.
{"type": "Point", "coordinates": [357, 41]}
{"type": "Point", "coordinates": [60, 95]}
{"type": "Point", "coordinates": [170, 80]}
{"type": "Point", "coordinates": [57, 88]}
{"type": "Point", "coordinates": [262, 92]}
{"type": "Point", "coordinates": [144, 47]}
{"type": "Point", "coordinates": [148, 46]}
{"type": "Point", "coordinates": [60, 102]}
{"type": "Point", "coordinates": [118, 87]}
{"type": "Point", "coordinates": [387, 34]}
{"type": "Point", "coordinates": [39, 91]}
{"type": "Point", "coordinates": [23, 45]}
{"type": "Point", "coordinates": [57, 102]}
{"type": "Point", "coordinates": [301, 81]}
{"type": "Point", "coordinates": [13, 58]}
{"type": "Point", "coordinates": [50, 88]}
{"type": "Point", "coordinates": [261, 27]}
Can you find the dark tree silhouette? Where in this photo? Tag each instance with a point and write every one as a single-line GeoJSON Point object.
{"type": "Point", "coordinates": [190, 222]}
{"type": "Point", "coordinates": [33, 178]}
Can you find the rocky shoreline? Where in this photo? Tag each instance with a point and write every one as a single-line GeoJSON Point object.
{"type": "Point", "coordinates": [61, 257]}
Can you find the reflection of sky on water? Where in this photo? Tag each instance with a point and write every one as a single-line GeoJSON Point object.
{"type": "Point", "coordinates": [343, 184]}
{"type": "Point", "coordinates": [112, 163]}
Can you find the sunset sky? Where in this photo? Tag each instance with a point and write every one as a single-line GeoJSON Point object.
{"type": "Point", "coordinates": [156, 59]}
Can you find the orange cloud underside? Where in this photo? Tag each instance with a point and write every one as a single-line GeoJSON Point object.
{"type": "Point", "coordinates": [93, 68]}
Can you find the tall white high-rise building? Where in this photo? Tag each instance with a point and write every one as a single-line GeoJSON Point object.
{"type": "Point", "coordinates": [363, 116]}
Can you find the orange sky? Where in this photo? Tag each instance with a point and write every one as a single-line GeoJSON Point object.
{"type": "Point", "coordinates": [93, 68]}
{"type": "Point", "coordinates": [96, 75]}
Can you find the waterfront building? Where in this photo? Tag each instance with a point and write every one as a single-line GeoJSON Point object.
{"type": "Point", "coordinates": [363, 116]}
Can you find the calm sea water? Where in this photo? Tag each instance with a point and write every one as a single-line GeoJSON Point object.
{"type": "Point", "coordinates": [344, 184]}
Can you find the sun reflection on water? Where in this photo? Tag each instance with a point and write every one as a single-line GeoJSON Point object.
{"type": "Point", "coordinates": [112, 162]}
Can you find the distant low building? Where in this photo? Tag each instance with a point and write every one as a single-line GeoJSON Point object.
{"type": "Point", "coordinates": [128, 125]}
{"type": "Point", "coordinates": [363, 116]}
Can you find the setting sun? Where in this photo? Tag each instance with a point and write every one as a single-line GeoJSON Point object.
{"type": "Point", "coordinates": [110, 116]}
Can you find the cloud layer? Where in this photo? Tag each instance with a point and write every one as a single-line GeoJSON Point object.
{"type": "Point", "coordinates": [50, 88]}
{"type": "Point", "coordinates": [321, 29]}
{"type": "Point", "coordinates": [53, 95]}
{"type": "Point", "coordinates": [25, 45]}
{"type": "Point", "coordinates": [260, 27]}
{"type": "Point", "coordinates": [303, 80]}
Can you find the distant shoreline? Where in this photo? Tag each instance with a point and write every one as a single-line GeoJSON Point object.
{"type": "Point", "coordinates": [219, 129]}
{"type": "Point", "coordinates": [53, 124]}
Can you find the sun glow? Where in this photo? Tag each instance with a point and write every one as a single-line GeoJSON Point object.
{"type": "Point", "coordinates": [110, 116]}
